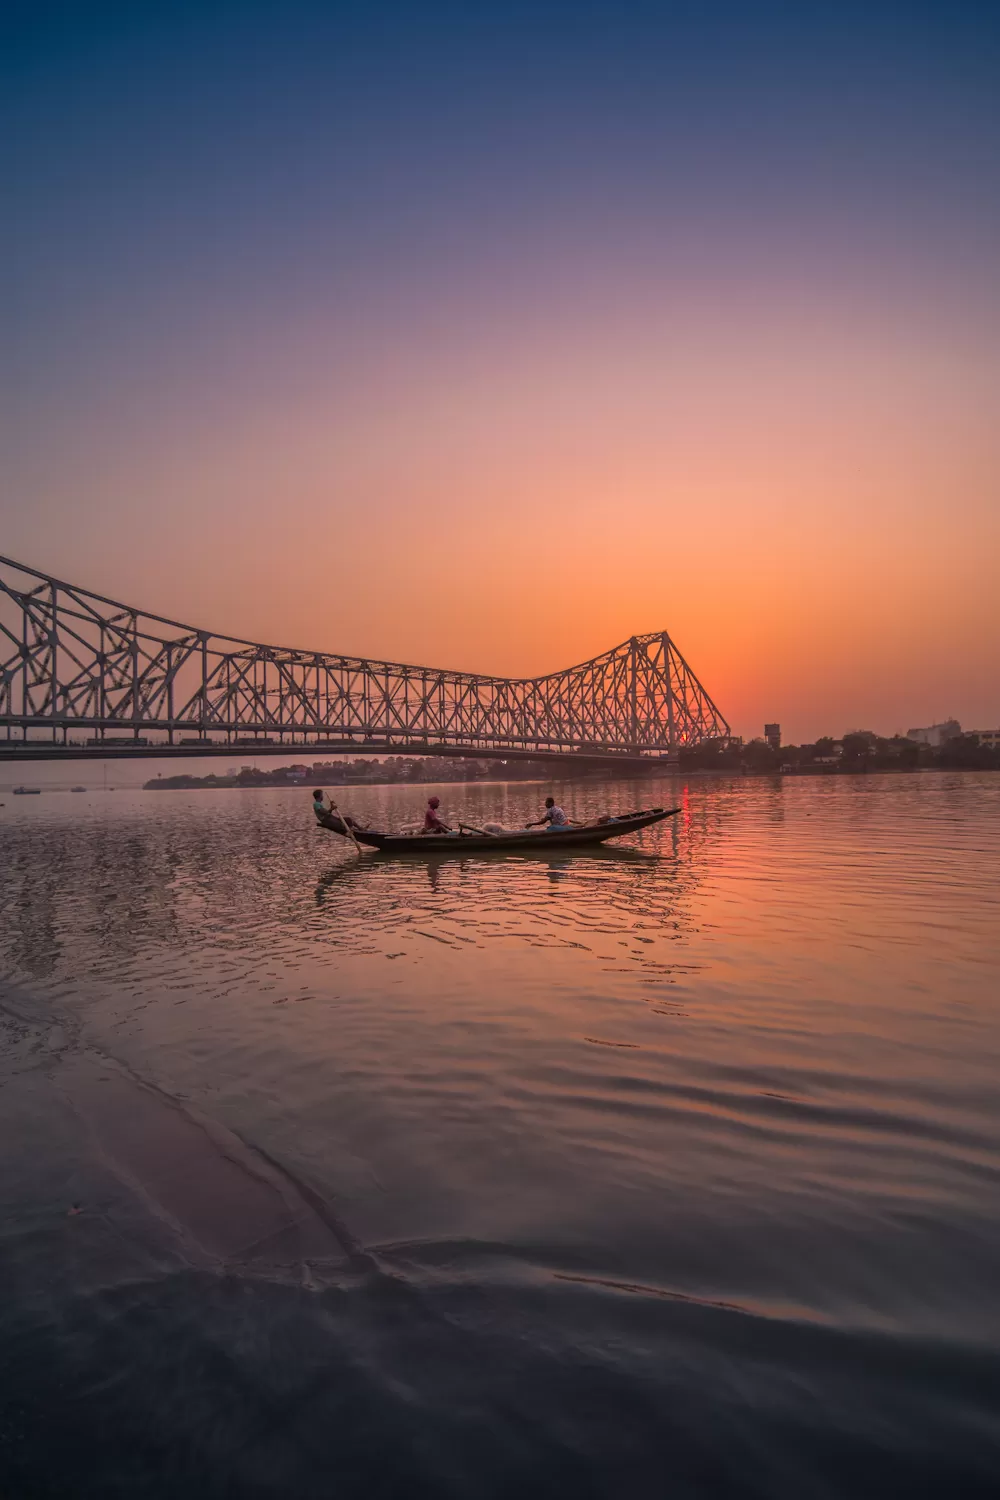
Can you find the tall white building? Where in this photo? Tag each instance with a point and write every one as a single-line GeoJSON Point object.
{"type": "Point", "coordinates": [936, 734]}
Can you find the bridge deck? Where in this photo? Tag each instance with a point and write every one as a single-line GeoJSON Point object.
{"type": "Point", "coordinates": [32, 750]}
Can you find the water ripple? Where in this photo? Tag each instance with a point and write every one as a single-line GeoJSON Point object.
{"type": "Point", "coordinates": [482, 1175]}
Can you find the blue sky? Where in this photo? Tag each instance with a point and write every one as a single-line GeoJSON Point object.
{"type": "Point", "coordinates": [387, 268]}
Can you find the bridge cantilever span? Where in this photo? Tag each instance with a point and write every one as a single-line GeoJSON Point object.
{"type": "Point", "coordinates": [73, 662]}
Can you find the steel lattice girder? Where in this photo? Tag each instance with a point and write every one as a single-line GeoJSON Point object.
{"type": "Point", "coordinates": [72, 660]}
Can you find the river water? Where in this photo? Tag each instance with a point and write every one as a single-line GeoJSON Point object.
{"type": "Point", "coordinates": [668, 1170]}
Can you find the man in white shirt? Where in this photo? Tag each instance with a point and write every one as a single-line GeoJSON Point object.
{"type": "Point", "coordinates": [553, 816]}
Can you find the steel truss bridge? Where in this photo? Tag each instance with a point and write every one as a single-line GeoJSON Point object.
{"type": "Point", "coordinates": [82, 675]}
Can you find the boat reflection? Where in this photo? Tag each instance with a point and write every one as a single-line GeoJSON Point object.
{"type": "Point", "coordinates": [558, 863]}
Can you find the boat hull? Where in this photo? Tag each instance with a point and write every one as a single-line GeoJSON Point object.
{"type": "Point", "coordinates": [549, 841]}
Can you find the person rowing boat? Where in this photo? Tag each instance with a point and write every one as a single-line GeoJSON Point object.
{"type": "Point", "coordinates": [433, 822]}
{"type": "Point", "coordinates": [327, 814]}
{"type": "Point", "coordinates": [553, 816]}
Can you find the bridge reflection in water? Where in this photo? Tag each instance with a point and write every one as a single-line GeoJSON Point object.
{"type": "Point", "coordinates": [80, 673]}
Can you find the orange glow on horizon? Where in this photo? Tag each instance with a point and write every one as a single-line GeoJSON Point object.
{"type": "Point", "coordinates": [782, 499]}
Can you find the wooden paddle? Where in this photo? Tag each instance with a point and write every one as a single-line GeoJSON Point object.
{"type": "Point", "coordinates": [338, 814]}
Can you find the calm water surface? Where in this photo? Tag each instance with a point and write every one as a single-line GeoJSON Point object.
{"type": "Point", "coordinates": [669, 1170]}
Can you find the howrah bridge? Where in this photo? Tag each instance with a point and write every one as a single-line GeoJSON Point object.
{"type": "Point", "coordinates": [82, 675]}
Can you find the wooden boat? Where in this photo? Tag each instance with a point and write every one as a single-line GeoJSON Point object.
{"type": "Point", "coordinates": [27, 791]}
{"type": "Point", "coordinates": [469, 840]}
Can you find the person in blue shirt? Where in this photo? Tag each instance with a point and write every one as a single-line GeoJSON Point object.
{"type": "Point", "coordinates": [332, 815]}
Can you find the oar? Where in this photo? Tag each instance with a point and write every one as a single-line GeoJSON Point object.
{"type": "Point", "coordinates": [468, 828]}
{"type": "Point", "coordinates": [340, 815]}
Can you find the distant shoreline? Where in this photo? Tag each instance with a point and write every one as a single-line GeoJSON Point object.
{"type": "Point", "coordinates": [841, 771]}
{"type": "Point", "coordinates": [298, 783]}
{"type": "Point", "coordinates": [301, 783]}
{"type": "Point", "coordinates": [798, 771]}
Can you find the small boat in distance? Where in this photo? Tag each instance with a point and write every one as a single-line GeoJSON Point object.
{"type": "Point", "coordinates": [27, 791]}
{"type": "Point", "coordinates": [78, 788]}
{"type": "Point", "coordinates": [470, 839]}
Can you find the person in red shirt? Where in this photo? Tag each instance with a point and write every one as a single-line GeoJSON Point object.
{"type": "Point", "coordinates": [432, 822]}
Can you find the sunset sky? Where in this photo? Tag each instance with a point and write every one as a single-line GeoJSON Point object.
{"type": "Point", "coordinates": [485, 335]}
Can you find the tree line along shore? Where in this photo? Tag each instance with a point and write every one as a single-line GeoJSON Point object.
{"type": "Point", "coordinates": [394, 770]}
{"type": "Point", "coordinates": [860, 751]}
